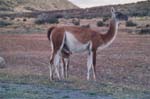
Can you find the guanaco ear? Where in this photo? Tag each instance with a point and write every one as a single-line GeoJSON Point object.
{"type": "Point", "coordinates": [112, 10]}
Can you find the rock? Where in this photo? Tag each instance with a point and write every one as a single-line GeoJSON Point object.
{"type": "Point", "coordinates": [2, 62]}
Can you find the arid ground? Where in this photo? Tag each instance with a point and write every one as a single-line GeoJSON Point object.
{"type": "Point", "coordinates": [123, 69]}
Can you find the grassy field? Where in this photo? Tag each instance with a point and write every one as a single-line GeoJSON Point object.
{"type": "Point", "coordinates": [123, 69]}
{"type": "Point", "coordinates": [36, 87]}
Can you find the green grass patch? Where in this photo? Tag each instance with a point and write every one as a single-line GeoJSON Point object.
{"type": "Point", "coordinates": [89, 87]}
{"type": "Point", "coordinates": [25, 79]}
{"type": "Point", "coordinates": [66, 97]}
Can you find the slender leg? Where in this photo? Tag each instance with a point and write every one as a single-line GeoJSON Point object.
{"type": "Point", "coordinates": [66, 60]}
{"type": "Point", "coordinates": [94, 64]}
{"type": "Point", "coordinates": [62, 68]}
{"type": "Point", "coordinates": [51, 69]}
{"type": "Point", "coordinates": [51, 63]}
{"type": "Point", "coordinates": [50, 72]}
{"type": "Point", "coordinates": [56, 64]}
{"type": "Point", "coordinates": [51, 66]}
{"type": "Point", "coordinates": [65, 66]}
{"type": "Point", "coordinates": [89, 64]}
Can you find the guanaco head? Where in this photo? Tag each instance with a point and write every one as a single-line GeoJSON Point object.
{"type": "Point", "coordinates": [118, 15]}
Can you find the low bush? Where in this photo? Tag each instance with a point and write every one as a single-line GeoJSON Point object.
{"type": "Point", "coordinates": [100, 24]}
{"type": "Point", "coordinates": [130, 24]}
{"type": "Point", "coordinates": [44, 18]}
{"type": "Point", "coordinates": [4, 18]}
{"type": "Point", "coordinates": [76, 21]}
{"type": "Point", "coordinates": [24, 19]}
{"type": "Point", "coordinates": [147, 25]}
{"type": "Point", "coordinates": [4, 23]}
{"type": "Point", "coordinates": [105, 19]}
{"type": "Point", "coordinates": [12, 18]}
{"type": "Point", "coordinates": [86, 26]}
{"type": "Point", "coordinates": [144, 31]}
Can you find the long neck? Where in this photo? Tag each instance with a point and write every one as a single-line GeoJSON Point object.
{"type": "Point", "coordinates": [111, 33]}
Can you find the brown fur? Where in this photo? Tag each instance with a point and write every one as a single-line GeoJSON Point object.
{"type": "Point", "coordinates": [83, 35]}
{"type": "Point", "coordinates": [111, 32]}
{"type": "Point", "coordinates": [49, 32]}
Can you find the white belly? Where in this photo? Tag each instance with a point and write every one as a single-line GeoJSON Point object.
{"type": "Point", "coordinates": [74, 45]}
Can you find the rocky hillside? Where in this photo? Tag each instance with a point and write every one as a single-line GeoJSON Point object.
{"type": "Point", "coordinates": [132, 9]}
{"type": "Point", "coordinates": [34, 5]}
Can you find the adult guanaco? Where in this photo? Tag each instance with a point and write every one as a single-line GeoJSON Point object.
{"type": "Point", "coordinates": [72, 39]}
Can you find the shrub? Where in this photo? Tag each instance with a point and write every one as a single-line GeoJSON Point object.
{"type": "Point", "coordinates": [76, 21]}
{"type": "Point", "coordinates": [86, 26]}
{"type": "Point", "coordinates": [45, 18]}
{"type": "Point", "coordinates": [12, 18]}
{"type": "Point", "coordinates": [4, 18]}
{"type": "Point", "coordinates": [105, 19]}
{"type": "Point", "coordinates": [24, 19]}
{"type": "Point", "coordinates": [130, 24]}
{"type": "Point", "coordinates": [4, 23]}
{"type": "Point", "coordinates": [144, 31]}
{"type": "Point", "coordinates": [59, 16]}
{"type": "Point", "coordinates": [100, 24]}
{"type": "Point", "coordinates": [147, 25]}
{"type": "Point", "coordinates": [52, 20]}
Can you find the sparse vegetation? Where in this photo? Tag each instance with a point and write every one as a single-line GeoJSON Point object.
{"type": "Point", "coordinates": [4, 18]}
{"type": "Point", "coordinates": [44, 18]}
{"type": "Point", "coordinates": [92, 90]}
{"type": "Point", "coordinates": [31, 5]}
{"type": "Point", "coordinates": [147, 25]}
{"type": "Point", "coordinates": [86, 26]}
{"type": "Point", "coordinates": [144, 31]}
{"type": "Point", "coordinates": [105, 19]}
{"type": "Point", "coordinates": [100, 23]}
{"type": "Point", "coordinates": [76, 21]}
{"type": "Point", "coordinates": [4, 23]}
{"type": "Point", "coordinates": [12, 18]}
{"type": "Point", "coordinates": [122, 91]}
{"type": "Point", "coordinates": [26, 67]}
{"type": "Point", "coordinates": [59, 16]}
{"type": "Point", "coordinates": [130, 23]}
{"type": "Point", "coordinates": [24, 19]}
{"type": "Point", "coordinates": [133, 9]}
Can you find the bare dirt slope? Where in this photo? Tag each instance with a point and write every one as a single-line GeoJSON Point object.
{"type": "Point", "coordinates": [34, 5]}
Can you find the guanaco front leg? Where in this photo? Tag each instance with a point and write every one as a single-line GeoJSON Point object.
{"type": "Point", "coordinates": [89, 64]}
{"type": "Point", "coordinates": [94, 64]}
